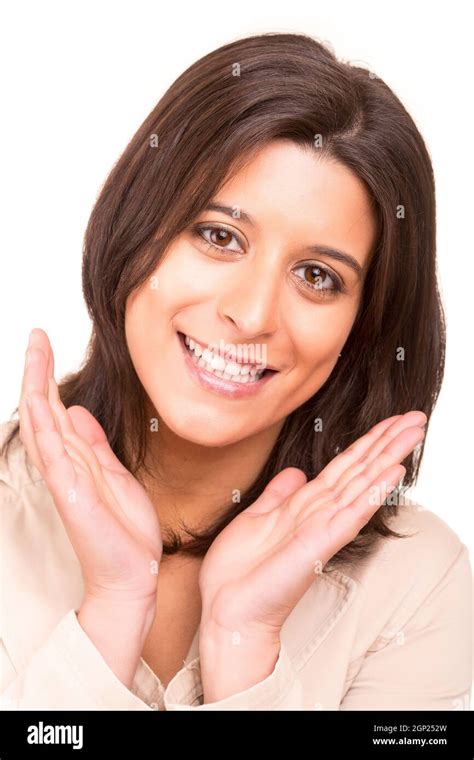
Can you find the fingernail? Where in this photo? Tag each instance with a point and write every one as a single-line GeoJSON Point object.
{"type": "Point", "coordinates": [30, 337]}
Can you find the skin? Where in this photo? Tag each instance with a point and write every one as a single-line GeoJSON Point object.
{"type": "Point", "coordinates": [208, 445]}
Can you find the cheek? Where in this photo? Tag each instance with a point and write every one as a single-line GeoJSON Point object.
{"type": "Point", "coordinates": [319, 338]}
{"type": "Point", "coordinates": [136, 315]}
{"type": "Point", "coordinates": [185, 278]}
{"type": "Point", "coordinates": [167, 290]}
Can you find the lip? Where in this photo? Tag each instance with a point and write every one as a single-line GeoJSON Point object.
{"type": "Point", "coordinates": [219, 385]}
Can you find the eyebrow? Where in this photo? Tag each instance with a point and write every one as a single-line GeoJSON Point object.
{"type": "Point", "coordinates": [323, 250]}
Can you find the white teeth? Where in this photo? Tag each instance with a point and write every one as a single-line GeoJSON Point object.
{"type": "Point", "coordinates": [217, 365]}
{"type": "Point", "coordinates": [231, 368]}
{"type": "Point", "coordinates": [207, 355]}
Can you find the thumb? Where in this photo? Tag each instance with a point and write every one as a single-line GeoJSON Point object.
{"type": "Point", "coordinates": [283, 485]}
{"type": "Point", "coordinates": [86, 425]}
{"type": "Point", "coordinates": [88, 428]}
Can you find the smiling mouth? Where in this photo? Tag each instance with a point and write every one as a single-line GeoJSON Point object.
{"type": "Point", "coordinates": [227, 371]}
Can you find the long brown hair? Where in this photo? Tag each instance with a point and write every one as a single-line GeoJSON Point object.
{"type": "Point", "coordinates": [222, 109]}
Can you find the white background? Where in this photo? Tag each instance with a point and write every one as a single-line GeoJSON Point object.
{"type": "Point", "coordinates": [78, 80]}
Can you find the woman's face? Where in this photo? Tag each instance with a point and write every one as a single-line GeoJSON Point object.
{"type": "Point", "coordinates": [253, 287]}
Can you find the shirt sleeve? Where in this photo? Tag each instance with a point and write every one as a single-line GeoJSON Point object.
{"type": "Point", "coordinates": [424, 662]}
{"type": "Point", "coordinates": [281, 690]}
{"type": "Point", "coordinates": [67, 672]}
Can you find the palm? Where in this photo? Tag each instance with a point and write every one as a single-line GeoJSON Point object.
{"type": "Point", "coordinates": [249, 562]}
{"type": "Point", "coordinates": [125, 517]}
{"type": "Point", "coordinates": [262, 563]}
{"type": "Point", "coordinates": [107, 514]}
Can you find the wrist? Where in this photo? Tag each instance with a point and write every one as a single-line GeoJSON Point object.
{"type": "Point", "coordinates": [118, 630]}
{"type": "Point", "coordinates": [233, 661]}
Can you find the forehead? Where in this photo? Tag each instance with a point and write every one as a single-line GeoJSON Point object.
{"type": "Point", "coordinates": [291, 191]}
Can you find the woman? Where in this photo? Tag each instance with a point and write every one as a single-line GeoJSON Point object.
{"type": "Point", "coordinates": [209, 513]}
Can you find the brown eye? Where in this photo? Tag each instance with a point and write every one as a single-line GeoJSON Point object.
{"type": "Point", "coordinates": [221, 238]}
{"type": "Point", "coordinates": [319, 279]}
{"type": "Point", "coordinates": [315, 276]}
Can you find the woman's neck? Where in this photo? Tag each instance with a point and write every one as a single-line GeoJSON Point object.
{"type": "Point", "coordinates": [191, 482]}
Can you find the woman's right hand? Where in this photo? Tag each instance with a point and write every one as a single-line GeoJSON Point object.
{"type": "Point", "coordinates": [111, 523]}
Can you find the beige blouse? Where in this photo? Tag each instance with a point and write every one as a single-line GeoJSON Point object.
{"type": "Point", "coordinates": [393, 632]}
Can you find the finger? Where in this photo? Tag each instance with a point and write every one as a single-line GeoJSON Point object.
{"type": "Point", "coordinates": [88, 444]}
{"type": "Point", "coordinates": [55, 462]}
{"type": "Point", "coordinates": [77, 447]}
{"type": "Point", "coordinates": [34, 380]}
{"type": "Point", "coordinates": [277, 490]}
{"type": "Point", "coordinates": [348, 522]}
{"type": "Point", "coordinates": [394, 453]}
{"type": "Point", "coordinates": [39, 377]}
{"type": "Point", "coordinates": [367, 447]}
{"type": "Point", "coordinates": [128, 494]}
{"type": "Point", "coordinates": [39, 341]}
{"type": "Point", "coordinates": [336, 468]}
{"type": "Point", "coordinates": [91, 431]}
{"type": "Point", "coordinates": [80, 453]}
{"type": "Point", "coordinates": [91, 451]}
{"type": "Point", "coordinates": [64, 423]}
{"type": "Point", "coordinates": [63, 420]}
{"type": "Point", "coordinates": [354, 454]}
{"type": "Point", "coordinates": [50, 370]}
{"type": "Point", "coordinates": [378, 448]}
{"type": "Point", "coordinates": [41, 382]}
{"type": "Point", "coordinates": [76, 498]}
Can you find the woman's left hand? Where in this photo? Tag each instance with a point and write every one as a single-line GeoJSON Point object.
{"type": "Point", "coordinates": [263, 562]}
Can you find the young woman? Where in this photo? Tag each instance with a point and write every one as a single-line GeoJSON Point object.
{"type": "Point", "coordinates": [209, 513]}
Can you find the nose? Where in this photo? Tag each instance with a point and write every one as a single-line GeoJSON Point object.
{"type": "Point", "coordinates": [251, 300]}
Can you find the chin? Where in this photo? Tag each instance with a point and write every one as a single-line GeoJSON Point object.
{"type": "Point", "coordinates": [212, 441]}
{"type": "Point", "coordinates": [202, 429]}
